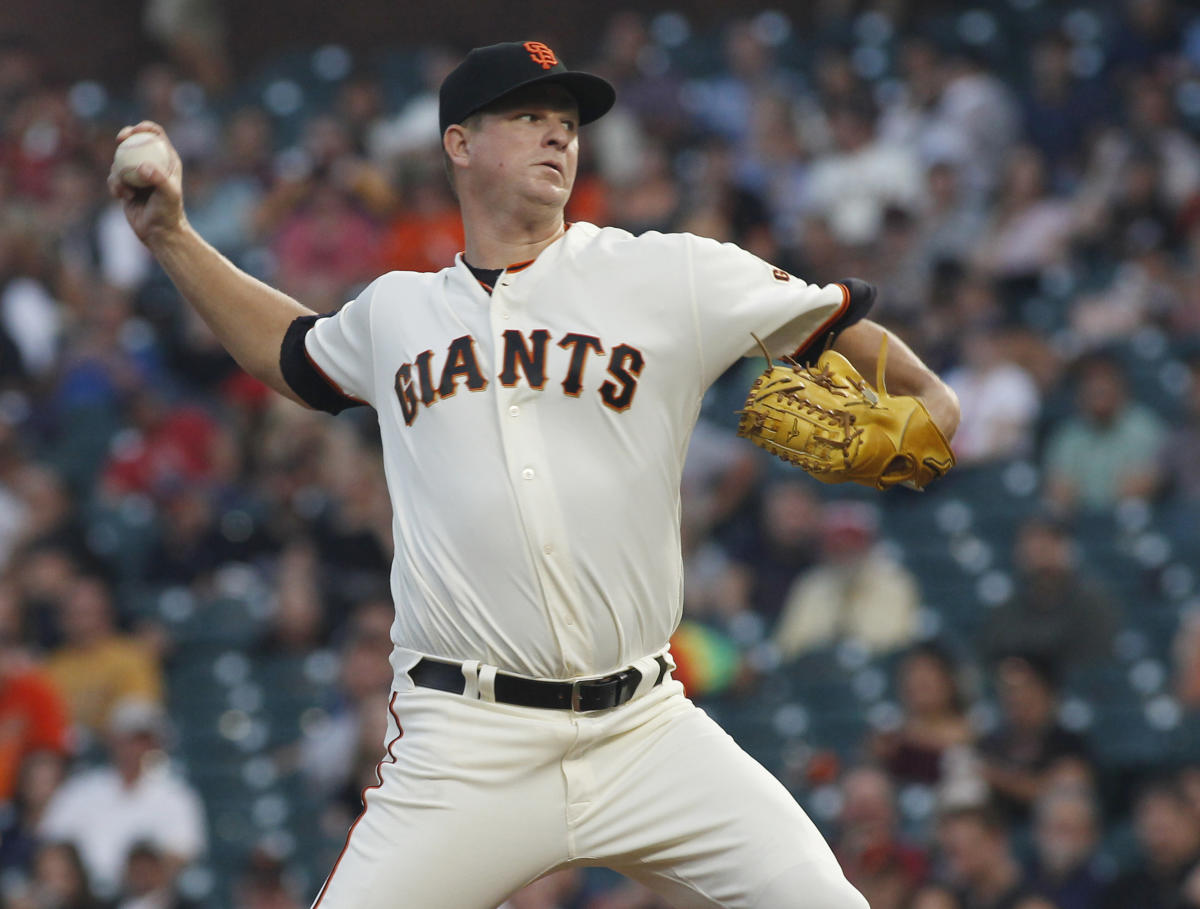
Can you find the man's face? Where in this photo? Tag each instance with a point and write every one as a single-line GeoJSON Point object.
{"type": "Point", "coordinates": [528, 144]}
{"type": "Point", "coordinates": [968, 848]}
{"type": "Point", "coordinates": [1065, 834]}
{"type": "Point", "coordinates": [1167, 829]}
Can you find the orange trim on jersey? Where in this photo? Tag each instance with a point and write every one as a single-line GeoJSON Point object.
{"type": "Point", "coordinates": [516, 266]}
{"type": "Point", "coordinates": [324, 375]}
{"type": "Point", "coordinates": [391, 759]}
{"type": "Point", "coordinates": [827, 324]}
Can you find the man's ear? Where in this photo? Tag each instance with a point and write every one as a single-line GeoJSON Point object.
{"type": "Point", "coordinates": [455, 144]}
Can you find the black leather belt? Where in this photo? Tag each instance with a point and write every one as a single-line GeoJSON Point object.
{"type": "Point", "coordinates": [584, 695]}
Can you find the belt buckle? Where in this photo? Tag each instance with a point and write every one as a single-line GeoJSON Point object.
{"type": "Point", "coordinates": [577, 696]}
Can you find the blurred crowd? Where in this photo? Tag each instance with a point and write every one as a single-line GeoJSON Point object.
{"type": "Point", "coordinates": [1025, 192]}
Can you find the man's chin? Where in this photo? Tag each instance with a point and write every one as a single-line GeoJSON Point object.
{"type": "Point", "coordinates": [548, 193]}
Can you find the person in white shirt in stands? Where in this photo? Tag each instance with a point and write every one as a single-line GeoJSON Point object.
{"type": "Point", "coordinates": [106, 811]}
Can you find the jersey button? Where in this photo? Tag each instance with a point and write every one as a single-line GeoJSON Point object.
{"type": "Point", "coordinates": [548, 549]}
{"type": "Point", "coordinates": [504, 314]}
{"type": "Point", "coordinates": [528, 473]}
{"type": "Point", "coordinates": [514, 411]}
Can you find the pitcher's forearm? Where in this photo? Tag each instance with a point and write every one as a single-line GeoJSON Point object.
{"type": "Point", "coordinates": [248, 317]}
{"type": "Point", "coordinates": [906, 374]}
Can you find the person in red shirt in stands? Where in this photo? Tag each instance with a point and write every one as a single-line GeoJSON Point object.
{"type": "Point", "coordinates": [33, 714]}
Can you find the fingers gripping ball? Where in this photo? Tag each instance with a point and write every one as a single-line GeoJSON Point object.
{"type": "Point", "coordinates": [828, 420]}
{"type": "Point", "coordinates": [138, 149]}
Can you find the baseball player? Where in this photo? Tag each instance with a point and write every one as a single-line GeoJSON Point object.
{"type": "Point", "coordinates": [535, 401]}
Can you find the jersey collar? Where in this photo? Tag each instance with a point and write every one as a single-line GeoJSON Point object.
{"type": "Point", "coordinates": [460, 262]}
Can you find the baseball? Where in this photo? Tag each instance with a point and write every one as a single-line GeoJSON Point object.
{"type": "Point", "coordinates": [137, 149]}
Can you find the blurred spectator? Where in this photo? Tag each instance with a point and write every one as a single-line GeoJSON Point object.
{"type": "Point", "coordinates": [39, 776]}
{"type": "Point", "coordinates": [1000, 401]}
{"type": "Point", "coordinates": [221, 201]}
{"type": "Point", "coordinates": [783, 542]}
{"type": "Point", "coordinates": [1029, 746]}
{"type": "Point", "coordinates": [935, 895]}
{"type": "Point", "coordinates": [58, 881]}
{"type": "Point", "coordinates": [1185, 651]}
{"type": "Point", "coordinates": [976, 119]}
{"type": "Point", "coordinates": [298, 621]}
{"type": "Point", "coordinates": [338, 755]}
{"type": "Point", "coordinates": [853, 186]}
{"type": "Point", "coordinates": [149, 881]}
{"type": "Point", "coordinates": [195, 32]}
{"type": "Point", "coordinates": [104, 363]}
{"type": "Point", "coordinates": [33, 714]}
{"type": "Point", "coordinates": [325, 247]}
{"type": "Point", "coordinates": [857, 592]}
{"type": "Point", "coordinates": [97, 666]}
{"type": "Point", "coordinates": [167, 97]}
{"type": "Point", "coordinates": [263, 884]}
{"type": "Point", "coordinates": [1029, 229]}
{"type": "Point", "coordinates": [426, 233]}
{"type": "Point", "coordinates": [414, 129]}
{"type": "Point", "coordinates": [1145, 290]}
{"type": "Point", "coordinates": [950, 222]}
{"type": "Point", "coordinates": [719, 475]}
{"type": "Point", "coordinates": [1132, 216]}
{"type": "Point", "coordinates": [106, 811]}
{"type": "Point", "coordinates": [652, 199]}
{"type": "Point", "coordinates": [934, 721]}
{"type": "Point", "coordinates": [1168, 831]}
{"type": "Point", "coordinates": [189, 546]}
{"type": "Point", "coordinates": [723, 105]}
{"type": "Point", "coordinates": [553, 891]}
{"type": "Point", "coordinates": [167, 445]}
{"type": "Point", "coordinates": [1181, 453]}
{"type": "Point", "coordinates": [979, 858]}
{"type": "Point", "coordinates": [1109, 449]}
{"type": "Point", "coordinates": [30, 317]}
{"type": "Point", "coordinates": [900, 268]}
{"type": "Point", "coordinates": [1067, 830]}
{"type": "Point", "coordinates": [1146, 30]}
{"type": "Point", "coordinates": [721, 207]}
{"type": "Point", "coordinates": [885, 869]}
{"type": "Point", "coordinates": [1059, 108]}
{"type": "Point", "coordinates": [1057, 614]}
{"type": "Point", "coordinates": [648, 107]}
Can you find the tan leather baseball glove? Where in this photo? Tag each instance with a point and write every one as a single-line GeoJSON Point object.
{"type": "Point", "coordinates": [827, 419]}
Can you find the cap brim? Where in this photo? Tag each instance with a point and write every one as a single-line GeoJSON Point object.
{"type": "Point", "coordinates": [594, 96]}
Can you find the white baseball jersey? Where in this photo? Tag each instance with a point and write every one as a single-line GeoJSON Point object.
{"type": "Point", "coordinates": [534, 438]}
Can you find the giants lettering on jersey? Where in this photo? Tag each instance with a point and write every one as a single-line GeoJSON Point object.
{"type": "Point", "coordinates": [523, 358]}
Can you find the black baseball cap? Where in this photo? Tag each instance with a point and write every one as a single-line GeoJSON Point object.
{"type": "Point", "coordinates": [489, 73]}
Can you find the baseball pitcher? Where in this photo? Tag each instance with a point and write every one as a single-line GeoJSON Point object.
{"type": "Point", "coordinates": [535, 401]}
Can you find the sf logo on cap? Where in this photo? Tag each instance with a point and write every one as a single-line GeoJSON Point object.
{"type": "Point", "coordinates": [541, 54]}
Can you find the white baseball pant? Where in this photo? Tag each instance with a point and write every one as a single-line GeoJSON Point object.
{"type": "Point", "coordinates": [475, 799]}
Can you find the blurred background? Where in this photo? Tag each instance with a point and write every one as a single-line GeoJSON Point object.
{"type": "Point", "coordinates": [987, 695]}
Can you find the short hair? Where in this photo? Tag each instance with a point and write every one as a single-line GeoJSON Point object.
{"type": "Point", "coordinates": [986, 814]}
{"type": "Point", "coordinates": [1068, 793]}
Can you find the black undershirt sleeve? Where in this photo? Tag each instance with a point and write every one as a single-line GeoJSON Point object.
{"type": "Point", "coordinates": [302, 375]}
{"type": "Point", "coordinates": [861, 296]}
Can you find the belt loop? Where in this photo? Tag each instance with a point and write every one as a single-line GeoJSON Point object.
{"type": "Point", "coordinates": [470, 671]}
{"type": "Point", "coordinates": [487, 683]}
{"type": "Point", "coordinates": [650, 669]}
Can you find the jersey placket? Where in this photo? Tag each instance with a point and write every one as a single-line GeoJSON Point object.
{"type": "Point", "coordinates": [537, 501]}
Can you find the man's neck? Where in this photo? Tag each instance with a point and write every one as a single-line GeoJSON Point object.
{"type": "Point", "coordinates": [497, 242]}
